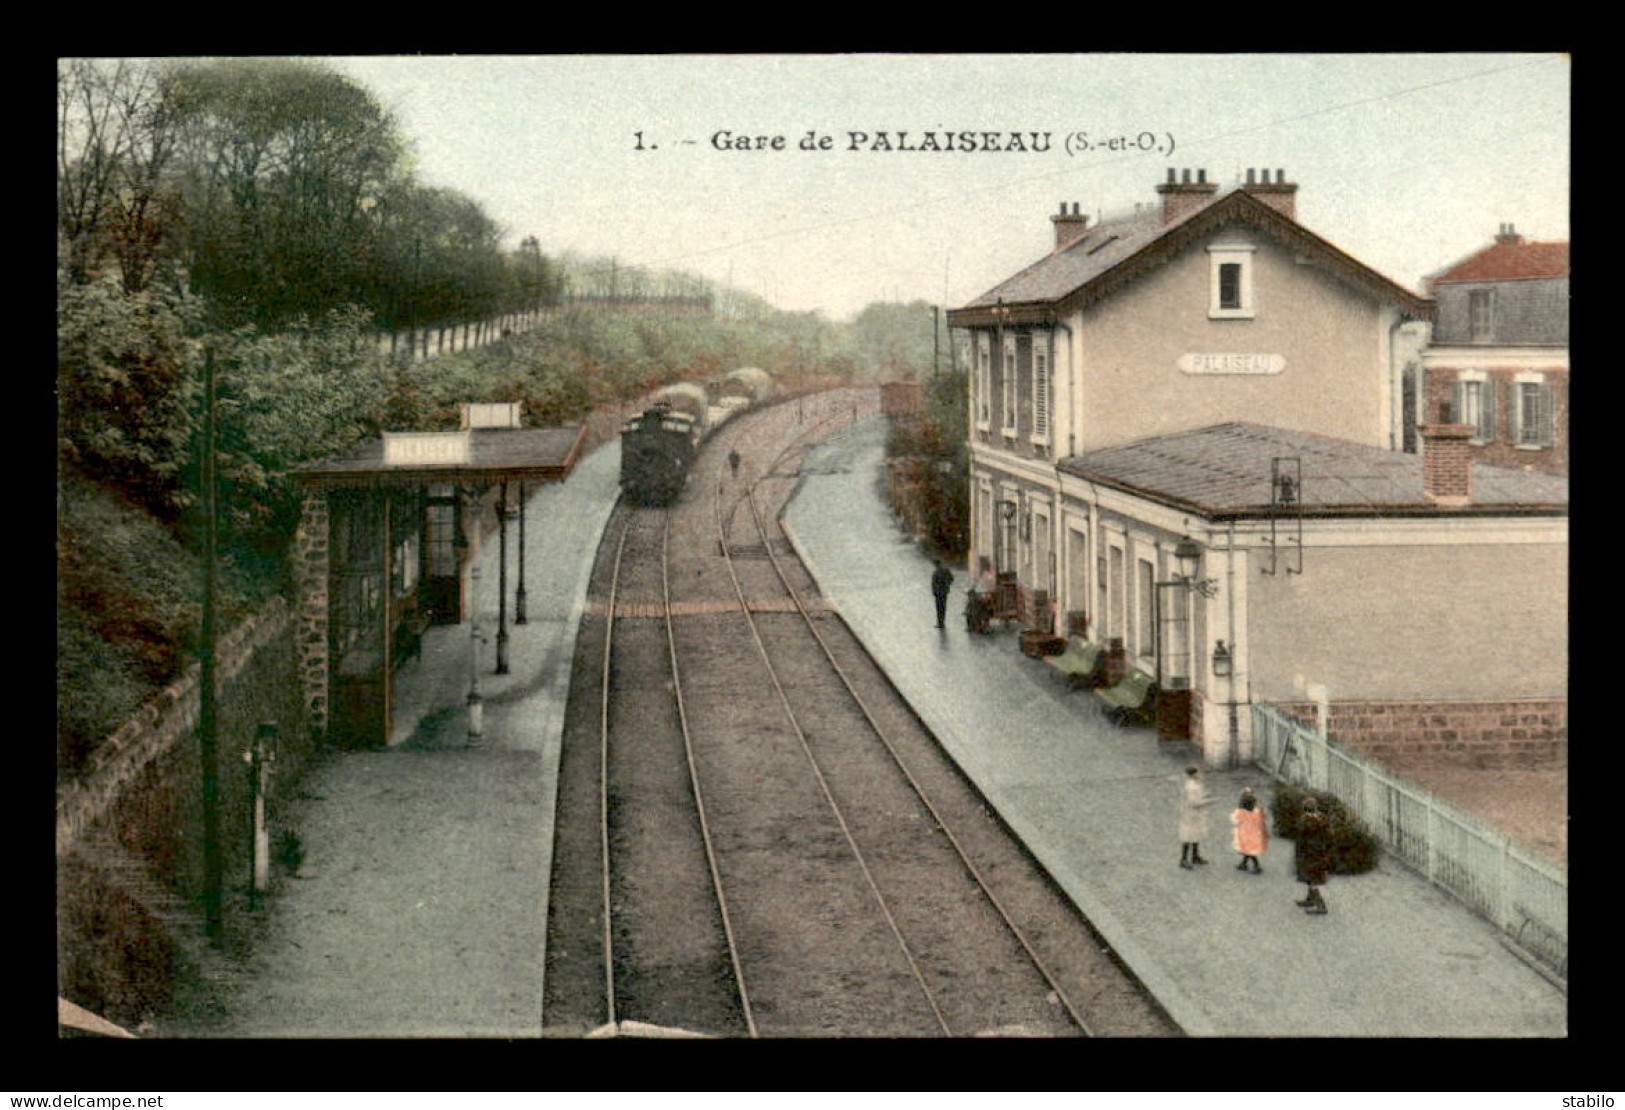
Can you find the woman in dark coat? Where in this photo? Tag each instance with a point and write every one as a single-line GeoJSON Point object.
{"type": "Point", "coordinates": [1313, 856]}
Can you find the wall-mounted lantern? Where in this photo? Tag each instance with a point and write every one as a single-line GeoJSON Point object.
{"type": "Point", "coordinates": [1223, 661]}
{"type": "Point", "coordinates": [1188, 558]}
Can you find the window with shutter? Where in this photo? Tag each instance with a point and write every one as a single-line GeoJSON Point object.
{"type": "Point", "coordinates": [1040, 391]}
{"type": "Point", "coordinates": [1536, 416]}
{"type": "Point", "coordinates": [1008, 418]}
{"type": "Point", "coordinates": [984, 381]}
{"type": "Point", "coordinates": [1473, 403]}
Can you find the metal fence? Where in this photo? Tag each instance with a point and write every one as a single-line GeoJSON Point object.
{"type": "Point", "coordinates": [1526, 896]}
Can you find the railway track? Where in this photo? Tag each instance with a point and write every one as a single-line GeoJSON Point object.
{"type": "Point", "coordinates": [784, 850]}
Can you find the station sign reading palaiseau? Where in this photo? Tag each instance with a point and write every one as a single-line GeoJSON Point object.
{"type": "Point", "coordinates": [1231, 364]}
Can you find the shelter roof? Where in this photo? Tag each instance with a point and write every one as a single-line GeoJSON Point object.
{"type": "Point", "coordinates": [472, 456]}
{"type": "Point", "coordinates": [1224, 471]}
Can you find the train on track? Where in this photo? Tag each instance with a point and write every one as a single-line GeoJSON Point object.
{"type": "Point", "coordinates": [659, 445]}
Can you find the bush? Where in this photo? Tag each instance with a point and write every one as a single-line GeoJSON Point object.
{"type": "Point", "coordinates": [1355, 849]}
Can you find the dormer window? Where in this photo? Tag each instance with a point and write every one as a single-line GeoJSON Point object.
{"type": "Point", "coordinates": [1480, 314]}
{"type": "Point", "coordinates": [1231, 282]}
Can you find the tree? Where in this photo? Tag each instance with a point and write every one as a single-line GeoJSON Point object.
{"type": "Point", "coordinates": [125, 387]}
{"type": "Point", "coordinates": [895, 339]}
{"type": "Point", "coordinates": [116, 136]}
{"type": "Point", "coordinates": [282, 164]}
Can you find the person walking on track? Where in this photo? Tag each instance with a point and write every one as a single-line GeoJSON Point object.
{"type": "Point", "coordinates": [1252, 834]}
{"type": "Point", "coordinates": [733, 462]}
{"type": "Point", "coordinates": [942, 583]}
{"type": "Point", "coordinates": [1194, 805]}
{"type": "Point", "coordinates": [1313, 856]}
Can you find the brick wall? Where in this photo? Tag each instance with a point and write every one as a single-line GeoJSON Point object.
{"type": "Point", "coordinates": [1529, 732]}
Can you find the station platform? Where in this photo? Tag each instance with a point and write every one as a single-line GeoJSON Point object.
{"type": "Point", "coordinates": [420, 909]}
{"type": "Point", "coordinates": [1228, 954]}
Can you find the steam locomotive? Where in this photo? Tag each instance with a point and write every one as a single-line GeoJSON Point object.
{"type": "Point", "coordinates": [659, 445]}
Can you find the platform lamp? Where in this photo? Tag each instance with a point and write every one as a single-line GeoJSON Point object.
{"type": "Point", "coordinates": [502, 579]}
{"type": "Point", "coordinates": [476, 705]}
{"type": "Point", "coordinates": [1188, 557]}
{"type": "Point", "coordinates": [519, 594]}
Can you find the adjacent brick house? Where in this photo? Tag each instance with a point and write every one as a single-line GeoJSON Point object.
{"type": "Point", "coordinates": [1499, 354]}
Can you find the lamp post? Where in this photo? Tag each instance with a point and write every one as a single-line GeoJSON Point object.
{"type": "Point", "coordinates": [502, 579]}
{"type": "Point", "coordinates": [476, 707]}
{"type": "Point", "coordinates": [519, 594]}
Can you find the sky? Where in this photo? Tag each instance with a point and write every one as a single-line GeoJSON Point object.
{"type": "Point", "coordinates": [1409, 162]}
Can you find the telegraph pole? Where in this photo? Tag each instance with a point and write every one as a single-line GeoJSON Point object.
{"type": "Point", "coordinates": [208, 741]}
{"type": "Point", "coordinates": [936, 351]}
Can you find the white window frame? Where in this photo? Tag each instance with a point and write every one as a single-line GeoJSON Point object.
{"type": "Point", "coordinates": [984, 381]}
{"type": "Point", "coordinates": [1007, 417]}
{"type": "Point", "coordinates": [1043, 382]}
{"type": "Point", "coordinates": [1483, 419]}
{"type": "Point", "coordinates": [1223, 254]}
{"type": "Point", "coordinates": [1520, 421]}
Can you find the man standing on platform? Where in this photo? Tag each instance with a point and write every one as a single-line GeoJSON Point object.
{"type": "Point", "coordinates": [942, 583]}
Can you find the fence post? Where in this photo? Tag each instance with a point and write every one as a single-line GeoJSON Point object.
{"type": "Point", "coordinates": [259, 776]}
{"type": "Point", "coordinates": [1503, 879]}
{"type": "Point", "coordinates": [1432, 838]}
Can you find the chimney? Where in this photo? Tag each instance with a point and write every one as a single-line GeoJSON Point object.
{"type": "Point", "coordinates": [1509, 235]}
{"type": "Point", "coordinates": [1447, 462]}
{"type": "Point", "coordinates": [1280, 194]}
{"type": "Point", "coordinates": [1069, 226]}
{"type": "Point", "coordinates": [1182, 197]}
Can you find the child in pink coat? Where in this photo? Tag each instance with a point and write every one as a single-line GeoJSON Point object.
{"type": "Point", "coordinates": [1252, 834]}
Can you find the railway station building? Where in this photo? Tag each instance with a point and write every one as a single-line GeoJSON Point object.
{"type": "Point", "coordinates": [387, 533]}
{"type": "Point", "coordinates": [1205, 393]}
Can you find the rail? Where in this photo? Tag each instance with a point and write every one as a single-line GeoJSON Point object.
{"type": "Point", "coordinates": [694, 781]}
{"type": "Point", "coordinates": [919, 791]}
{"type": "Point", "coordinates": [818, 773]}
{"type": "Point", "coordinates": [688, 748]}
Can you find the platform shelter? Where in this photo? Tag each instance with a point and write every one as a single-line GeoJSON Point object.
{"type": "Point", "coordinates": [386, 535]}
